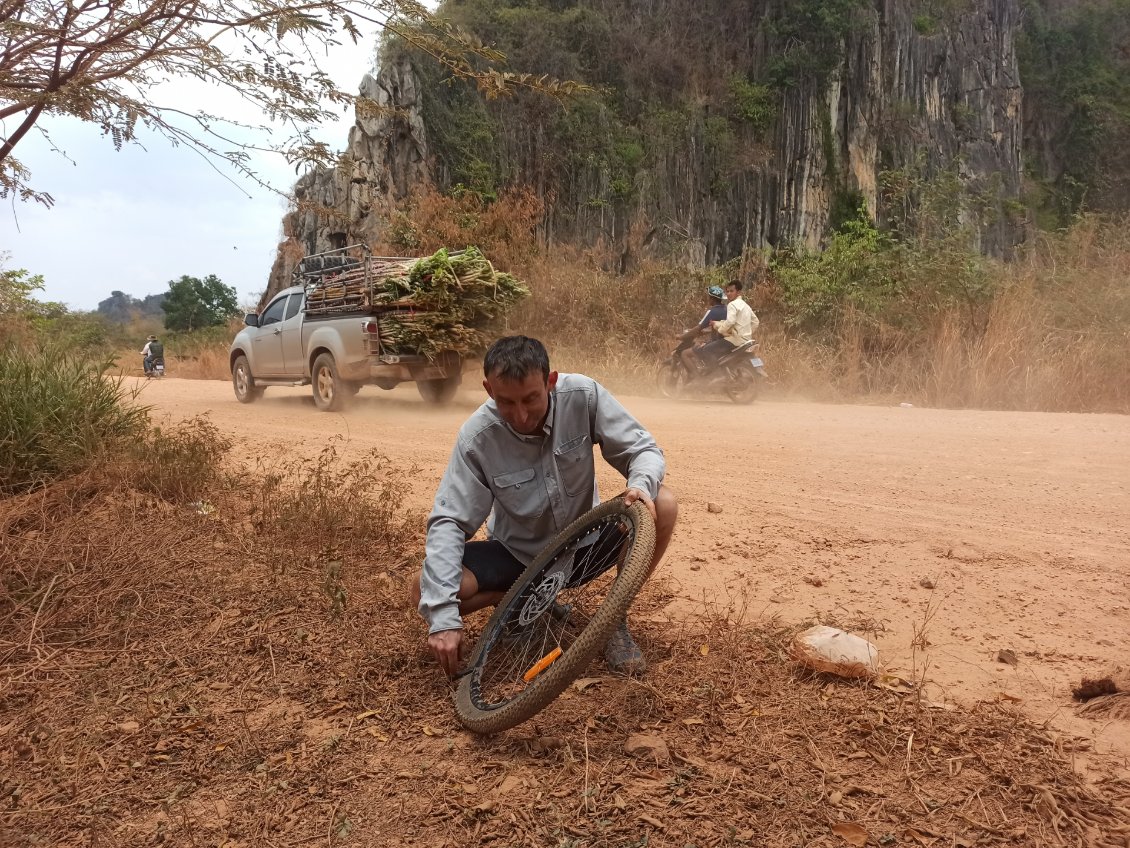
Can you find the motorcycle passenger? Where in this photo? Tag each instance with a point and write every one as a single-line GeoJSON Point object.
{"type": "Point", "coordinates": [152, 353]}
{"type": "Point", "coordinates": [716, 312]}
{"type": "Point", "coordinates": [735, 330]}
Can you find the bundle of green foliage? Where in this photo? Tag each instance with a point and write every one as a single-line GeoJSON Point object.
{"type": "Point", "coordinates": [446, 301]}
{"type": "Point", "coordinates": [456, 299]}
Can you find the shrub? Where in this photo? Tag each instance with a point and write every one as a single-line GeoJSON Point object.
{"type": "Point", "coordinates": [753, 103]}
{"type": "Point", "coordinates": [178, 464]}
{"type": "Point", "coordinates": [853, 272]}
{"type": "Point", "coordinates": [60, 412]}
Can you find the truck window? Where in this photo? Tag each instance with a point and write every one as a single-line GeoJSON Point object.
{"type": "Point", "coordinates": [292, 306]}
{"type": "Point", "coordinates": [273, 313]}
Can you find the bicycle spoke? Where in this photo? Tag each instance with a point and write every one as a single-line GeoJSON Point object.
{"type": "Point", "coordinates": [552, 611]}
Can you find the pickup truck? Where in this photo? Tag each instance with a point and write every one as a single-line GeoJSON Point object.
{"type": "Point", "coordinates": [335, 354]}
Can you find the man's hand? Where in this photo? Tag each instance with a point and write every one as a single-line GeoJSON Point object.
{"type": "Point", "coordinates": [445, 647]}
{"type": "Point", "coordinates": [633, 495]}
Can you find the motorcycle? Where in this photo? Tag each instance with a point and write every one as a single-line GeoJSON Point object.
{"type": "Point", "coordinates": [153, 368]}
{"type": "Point", "coordinates": [738, 373]}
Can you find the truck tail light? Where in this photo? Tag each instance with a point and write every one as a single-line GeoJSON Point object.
{"type": "Point", "coordinates": [369, 327]}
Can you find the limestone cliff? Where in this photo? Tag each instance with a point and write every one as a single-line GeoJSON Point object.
{"type": "Point", "coordinates": [386, 155]}
{"type": "Point", "coordinates": [893, 90]}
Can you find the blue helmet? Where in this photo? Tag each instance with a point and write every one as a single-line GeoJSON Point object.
{"type": "Point", "coordinates": [716, 291]}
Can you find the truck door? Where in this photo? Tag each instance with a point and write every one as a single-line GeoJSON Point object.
{"type": "Point", "coordinates": [293, 356]}
{"type": "Point", "coordinates": [266, 346]}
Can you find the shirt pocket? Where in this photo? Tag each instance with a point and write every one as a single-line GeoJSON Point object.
{"type": "Point", "coordinates": [517, 493]}
{"type": "Point", "coordinates": [575, 466]}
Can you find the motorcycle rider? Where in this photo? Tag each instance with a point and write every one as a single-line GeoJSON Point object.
{"type": "Point", "coordinates": [715, 312]}
{"type": "Point", "coordinates": [152, 353]}
{"type": "Point", "coordinates": [735, 330]}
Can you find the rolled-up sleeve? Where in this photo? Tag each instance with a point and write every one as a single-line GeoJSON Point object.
{"type": "Point", "coordinates": [625, 444]}
{"type": "Point", "coordinates": [462, 504]}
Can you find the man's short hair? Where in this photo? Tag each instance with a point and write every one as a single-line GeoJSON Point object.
{"type": "Point", "coordinates": [736, 284]}
{"type": "Point", "coordinates": [516, 357]}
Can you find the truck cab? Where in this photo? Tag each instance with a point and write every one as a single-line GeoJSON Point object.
{"type": "Point", "coordinates": [272, 339]}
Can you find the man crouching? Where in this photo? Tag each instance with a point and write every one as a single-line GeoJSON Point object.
{"type": "Point", "coordinates": [527, 453]}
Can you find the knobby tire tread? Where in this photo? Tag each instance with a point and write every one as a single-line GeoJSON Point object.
{"type": "Point", "coordinates": [556, 679]}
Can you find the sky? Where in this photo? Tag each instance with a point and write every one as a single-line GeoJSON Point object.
{"type": "Point", "coordinates": [134, 219]}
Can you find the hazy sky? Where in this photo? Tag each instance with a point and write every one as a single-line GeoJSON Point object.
{"type": "Point", "coordinates": [134, 219]}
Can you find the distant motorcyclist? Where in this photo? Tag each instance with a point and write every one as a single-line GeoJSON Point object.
{"type": "Point", "coordinates": [152, 353]}
{"type": "Point", "coordinates": [715, 312]}
{"type": "Point", "coordinates": [735, 330]}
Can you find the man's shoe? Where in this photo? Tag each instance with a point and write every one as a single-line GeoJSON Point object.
{"type": "Point", "coordinates": [622, 653]}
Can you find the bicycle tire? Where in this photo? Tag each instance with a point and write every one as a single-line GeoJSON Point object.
{"type": "Point", "coordinates": [546, 686]}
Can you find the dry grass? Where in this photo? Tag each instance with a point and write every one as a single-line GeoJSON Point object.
{"type": "Point", "coordinates": [217, 674]}
{"type": "Point", "coordinates": [209, 363]}
{"type": "Point", "coordinates": [1053, 338]}
{"type": "Point", "coordinates": [205, 362]}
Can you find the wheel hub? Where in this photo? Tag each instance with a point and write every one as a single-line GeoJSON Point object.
{"type": "Point", "coordinates": [543, 596]}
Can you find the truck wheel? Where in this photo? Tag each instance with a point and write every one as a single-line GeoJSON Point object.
{"type": "Point", "coordinates": [244, 384]}
{"type": "Point", "coordinates": [439, 391]}
{"type": "Point", "coordinates": [330, 394]}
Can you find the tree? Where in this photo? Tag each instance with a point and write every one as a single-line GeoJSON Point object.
{"type": "Point", "coordinates": [192, 303]}
{"type": "Point", "coordinates": [101, 60]}
{"type": "Point", "coordinates": [17, 290]}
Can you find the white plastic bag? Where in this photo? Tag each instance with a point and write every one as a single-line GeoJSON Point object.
{"type": "Point", "coordinates": [833, 651]}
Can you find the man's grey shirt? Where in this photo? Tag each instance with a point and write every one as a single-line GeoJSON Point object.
{"type": "Point", "coordinates": [536, 485]}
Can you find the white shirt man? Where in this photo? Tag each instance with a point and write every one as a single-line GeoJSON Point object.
{"type": "Point", "coordinates": [735, 330]}
{"type": "Point", "coordinates": [740, 321]}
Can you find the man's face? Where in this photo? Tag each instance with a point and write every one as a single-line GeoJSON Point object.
{"type": "Point", "coordinates": [731, 292]}
{"type": "Point", "coordinates": [522, 403]}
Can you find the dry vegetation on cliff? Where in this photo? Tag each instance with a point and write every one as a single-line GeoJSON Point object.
{"type": "Point", "coordinates": [205, 671]}
{"type": "Point", "coordinates": [1046, 332]}
{"type": "Point", "coordinates": [934, 324]}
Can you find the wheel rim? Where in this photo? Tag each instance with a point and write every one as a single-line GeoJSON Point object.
{"type": "Point", "coordinates": [325, 385]}
{"type": "Point", "coordinates": [741, 385]}
{"type": "Point", "coordinates": [542, 622]}
{"type": "Point", "coordinates": [669, 381]}
{"type": "Point", "coordinates": [241, 380]}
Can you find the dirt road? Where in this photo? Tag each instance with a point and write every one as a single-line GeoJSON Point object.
{"type": "Point", "coordinates": [965, 532]}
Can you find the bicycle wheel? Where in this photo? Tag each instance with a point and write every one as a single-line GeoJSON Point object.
{"type": "Point", "coordinates": [556, 617]}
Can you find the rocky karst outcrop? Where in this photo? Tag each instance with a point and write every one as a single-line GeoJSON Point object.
{"type": "Point", "coordinates": [939, 98]}
{"type": "Point", "coordinates": [386, 155]}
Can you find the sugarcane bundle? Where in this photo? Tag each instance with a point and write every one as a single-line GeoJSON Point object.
{"type": "Point", "coordinates": [446, 301]}
{"type": "Point", "coordinates": [429, 333]}
{"type": "Point", "coordinates": [460, 296]}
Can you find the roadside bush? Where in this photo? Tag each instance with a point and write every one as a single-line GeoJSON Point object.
{"type": "Point", "coordinates": [178, 465]}
{"type": "Point", "coordinates": [59, 413]}
{"type": "Point", "coordinates": [333, 507]}
{"type": "Point", "coordinates": [854, 272]}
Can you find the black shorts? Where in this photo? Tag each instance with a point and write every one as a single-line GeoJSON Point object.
{"type": "Point", "coordinates": [715, 350]}
{"type": "Point", "coordinates": [496, 569]}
